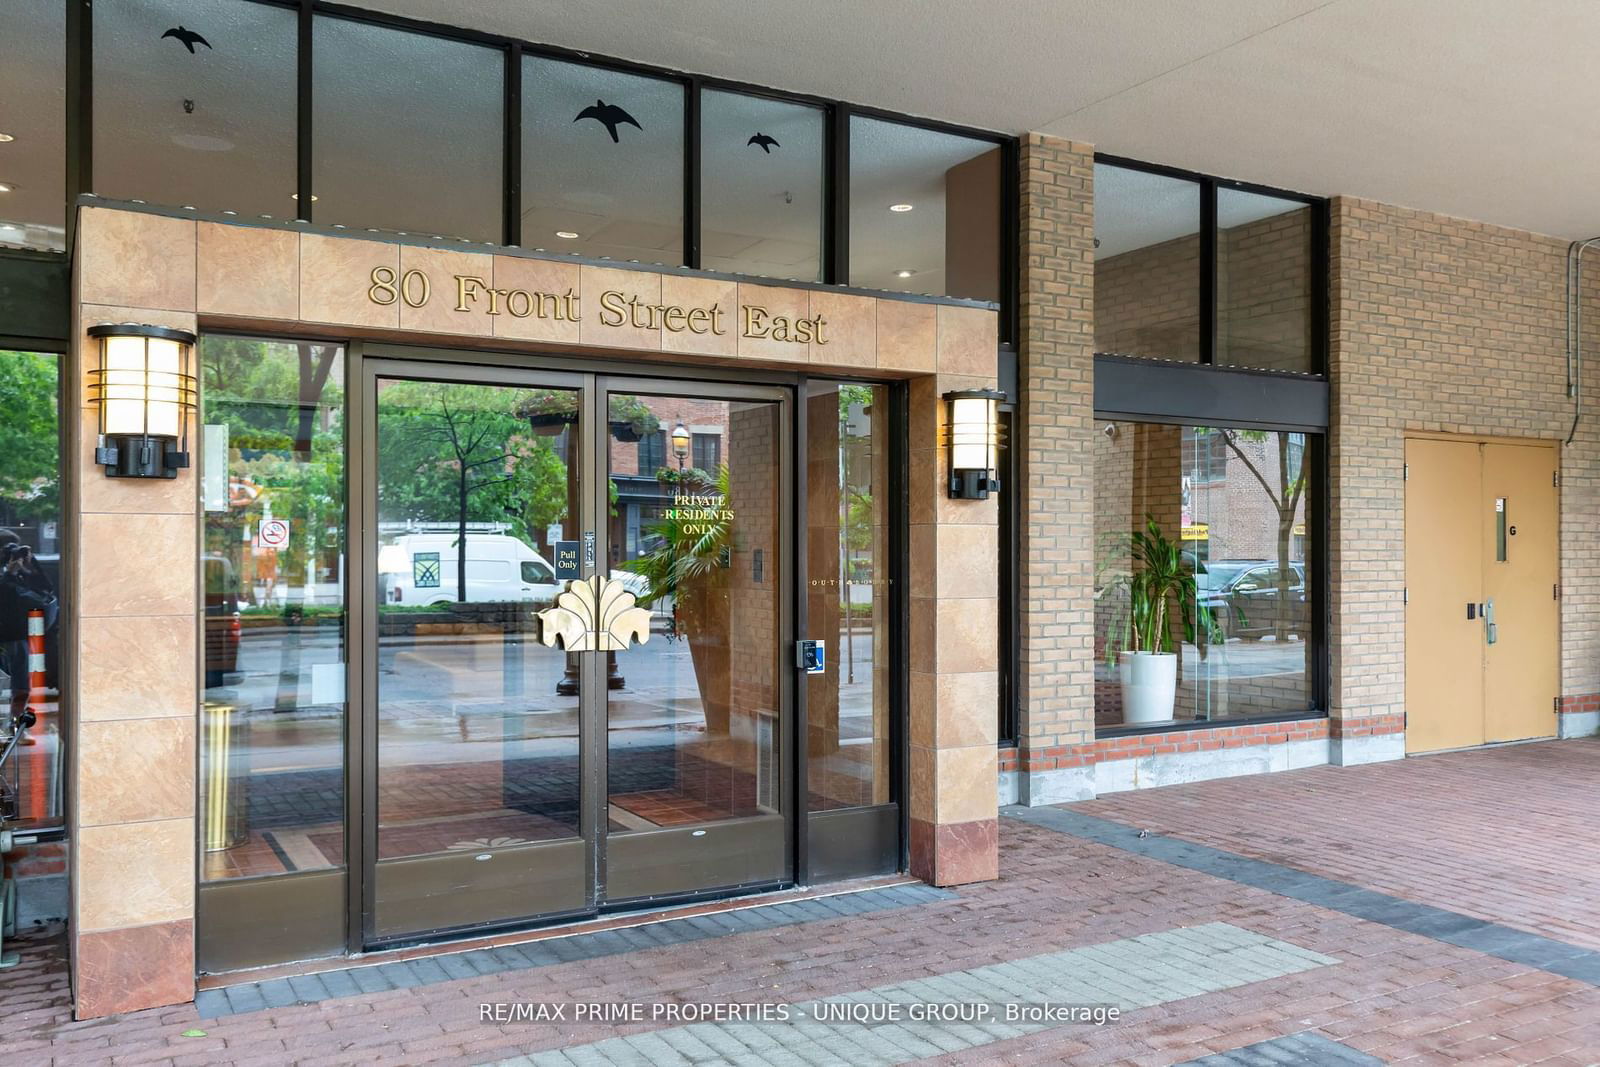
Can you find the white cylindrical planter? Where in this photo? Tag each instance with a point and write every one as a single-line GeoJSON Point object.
{"type": "Point", "coordinates": [1149, 685]}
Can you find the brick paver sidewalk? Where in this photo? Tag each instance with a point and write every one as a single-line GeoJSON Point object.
{"type": "Point", "coordinates": [1205, 964]}
{"type": "Point", "coordinates": [1507, 834]}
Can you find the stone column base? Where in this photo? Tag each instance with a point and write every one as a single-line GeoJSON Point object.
{"type": "Point", "coordinates": [955, 853]}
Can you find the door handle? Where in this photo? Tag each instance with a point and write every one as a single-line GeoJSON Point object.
{"type": "Point", "coordinates": [1491, 632]}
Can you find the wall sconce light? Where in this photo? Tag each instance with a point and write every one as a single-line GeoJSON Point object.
{"type": "Point", "coordinates": [144, 392]}
{"type": "Point", "coordinates": [973, 437]}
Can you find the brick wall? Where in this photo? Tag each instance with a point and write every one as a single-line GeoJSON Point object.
{"type": "Point", "coordinates": [1440, 324]}
{"type": "Point", "coordinates": [1056, 688]}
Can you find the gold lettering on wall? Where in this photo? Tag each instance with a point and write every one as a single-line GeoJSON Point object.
{"type": "Point", "coordinates": [759, 322]}
{"type": "Point", "coordinates": [616, 309]}
{"type": "Point", "coordinates": [518, 303]}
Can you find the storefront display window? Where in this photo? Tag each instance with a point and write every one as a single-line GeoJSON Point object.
{"type": "Point", "coordinates": [848, 593]}
{"type": "Point", "coordinates": [273, 572]}
{"type": "Point", "coordinates": [33, 209]}
{"type": "Point", "coordinates": [205, 117]}
{"type": "Point", "coordinates": [1146, 264]}
{"type": "Point", "coordinates": [1205, 526]}
{"type": "Point", "coordinates": [408, 133]}
{"type": "Point", "coordinates": [31, 588]}
{"type": "Point", "coordinates": [1264, 281]}
{"type": "Point", "coordinates": [924, 210]}
{"type": "Point", "coordinates": [602, 162]}
{"type": "Point", "coordinates": [761, 186]}
{"type": "Point", "coordinates": [1195, 269]}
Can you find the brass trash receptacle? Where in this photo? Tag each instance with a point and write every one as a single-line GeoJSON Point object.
{"type": "Point", "coordinates": [224, 803]}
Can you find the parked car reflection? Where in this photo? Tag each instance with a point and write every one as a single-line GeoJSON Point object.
{"type": "Point", "coordinates": [1252, 598]}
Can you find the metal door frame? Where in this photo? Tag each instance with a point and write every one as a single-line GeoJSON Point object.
{"type": "Point", "coordinates": [593, 380]}
{"type": "Point", "coordinates": [788, 690]}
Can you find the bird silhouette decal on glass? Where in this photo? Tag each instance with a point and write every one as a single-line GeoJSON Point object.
{"type": "Point", "coordinates": [767, 143]}
{"type": "Point", "coordinates": [608, 115]}
{"type": "Point", "coordinates": [188, 38]}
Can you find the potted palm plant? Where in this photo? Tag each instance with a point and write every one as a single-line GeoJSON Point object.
{"type": "Point", "coordinates": [1139, 641]}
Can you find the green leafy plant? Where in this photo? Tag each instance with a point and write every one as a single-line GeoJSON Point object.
{"type": "Point", "coordinates": [1142, 620]}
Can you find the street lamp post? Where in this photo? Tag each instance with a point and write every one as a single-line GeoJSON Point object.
{"type": "Point", "coordinates": [680, 444]}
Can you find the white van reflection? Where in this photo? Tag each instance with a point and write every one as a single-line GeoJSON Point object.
{"type": "Point", "coordinates": [421, 569]}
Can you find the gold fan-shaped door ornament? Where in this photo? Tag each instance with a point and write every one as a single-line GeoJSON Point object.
{"type": "Point", "coordinates": [595, 614]}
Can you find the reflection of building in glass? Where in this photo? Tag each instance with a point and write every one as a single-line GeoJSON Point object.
{"type": "Point", "coordinates": [1234, 501]}
{"type": "Point", "coordinates": [640, 459]}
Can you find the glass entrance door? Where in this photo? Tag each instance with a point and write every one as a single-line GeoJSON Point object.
{"type": "Point", "coordinates": [574, 686]}
{"type": "Point", "coordinates": [697, 783]}
{"type": "Point", "coordinates": [477, 725]}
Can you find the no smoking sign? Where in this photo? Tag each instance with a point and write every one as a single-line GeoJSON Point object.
{"type": "Point", "coordinates": [274, 533]}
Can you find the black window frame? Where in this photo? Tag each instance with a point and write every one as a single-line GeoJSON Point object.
{"type": "Point", "coordinates": [836, 143]}
{"type": "Point", "coordinates": [652, 453]}
{"type": "Point", "coordinates": [699, 443]}
{"type": "Point", "coordinates": [836, 206]}
{"type": "Point", "coordinates": [1210, 185]}
{"type": "Point", "coordinates": [1141, 389]}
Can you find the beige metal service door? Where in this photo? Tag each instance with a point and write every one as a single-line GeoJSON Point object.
{"type": "Point", "coordinates": [1518, 518]}
{"type": "Point", "coordinates": [1444, 573]}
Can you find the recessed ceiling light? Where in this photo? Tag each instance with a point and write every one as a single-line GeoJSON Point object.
{"type": "Point", "coordinates": [904, 273]}
{"type": "Point", "coordinates": [296, 196]}
{"type": "Point", "coordinates": [6, 187]}
{"type": "Point", "coordinates": [567, 235]}
{"type": "Point", "coordinates": [5, 137]}
{"type": "Point", "coordinates": [899, 207]}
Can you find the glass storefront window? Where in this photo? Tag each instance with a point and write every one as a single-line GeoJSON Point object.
{"type": "Point", "coordinates": [408, 132]}
{"type": "Point", "coordinates": [206, 119]}
{"type": "Point", "coordinates": [30, 582]}
{"type": "Point", "coordinates": [924, 211]}
{"type": "Point", "coordinates": [602, 162]}
{"type": "Point", "coordinates": [1264, 297]}
{"type": "Point", "coordinates": [847, 594]}
{"type": "Point", "coordinates": [1227, 509]}
{"type": "Point", "coordinates": [33, 94]}
{"type": "Point", "coordinates": [272, 724]}
{"type": "Point", "coordinates": [1146, 265]}
{"type": "Point", "coordinates": [761, 182]}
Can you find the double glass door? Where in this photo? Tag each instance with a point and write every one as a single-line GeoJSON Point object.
{"type": "Point", "coordinates": [574, 689]}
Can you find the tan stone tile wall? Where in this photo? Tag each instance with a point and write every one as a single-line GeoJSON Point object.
{"type": "Point", "coordinates": [134, 603]}
{"type": "Point", "coordinates": [954, 618]}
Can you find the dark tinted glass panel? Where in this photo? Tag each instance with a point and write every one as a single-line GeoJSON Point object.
{"type": "Point", "coordinates": [924, 211]}
{"type": "Point", "coordinates": [602, 162]}
{"type": "Point", "coordinates": [1233, 504]}
{"type": "Point", "coordinates": [272, 724]}
{"type": "Point", "coordinates": [202, 116]}
{"type": "Point", "coordinates": [1146, 265]}
{"type": "Point", "coordinates": [408, 132]}
{"type": "Point", "coordinates": [760, 186]}
{"type": "Point", "coordinates": [847, 593]}
{"type": "Point", "coordinates": [33, 117]}
{"type": "Point", "coordinates": [1263, 281]}
{"type": "Point", "coordinates": [30, 561]}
